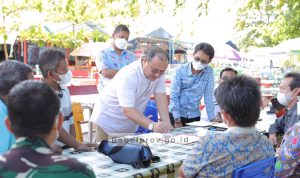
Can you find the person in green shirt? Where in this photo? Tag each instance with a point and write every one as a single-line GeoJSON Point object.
{"type": "Point", "coordinates": [35, 121]}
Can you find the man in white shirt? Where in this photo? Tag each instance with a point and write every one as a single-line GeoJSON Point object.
{"type": "Point", "coordinates": [121, 103]}
{"type": "Point", "coordinates": [54, 68]}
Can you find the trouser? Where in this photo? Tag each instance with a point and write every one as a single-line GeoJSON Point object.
{"type": "Point", "coordinates": [183, 119]}
{"type": "Point", "coordinates": [100, 134]}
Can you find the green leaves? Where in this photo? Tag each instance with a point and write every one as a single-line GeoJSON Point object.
{"type": "Point", "coordinates": [5, 37]}
{"type": "Point", "coordinates": [65, 40]}
{"type": "Point", "coordinates": [264, 23]}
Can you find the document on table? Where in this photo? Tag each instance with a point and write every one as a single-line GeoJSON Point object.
{"type": "Point", "coordinates": [200, 123]}
{"type": "Point", "coordinates": [221, 125]}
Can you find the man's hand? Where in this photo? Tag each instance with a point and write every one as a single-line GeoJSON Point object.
{"type": "Point", "coordinates": [168, 125]}
{"type": "Point", "coordinates": [217, 119]}
{"type": "Point", "coordinates": [273, 139]}
{"type": "Point", "coordinates": [265, 101]}
{"type": "Point", "coordinates": [161, 127]}
{"type": "Point", "coordinates": [85, 146]}
{"type": "Point", "coordinates": [178, 124]}
{"type": "Point", "coordinates": [56, 148]}
{"type": "Point", "coordinates": [294, 98]}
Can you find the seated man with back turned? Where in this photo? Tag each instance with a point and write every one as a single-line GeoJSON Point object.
{"type": "Point", "coordinates": [219, 154]}
{"type": "Point", "coordinates": [35, 120]}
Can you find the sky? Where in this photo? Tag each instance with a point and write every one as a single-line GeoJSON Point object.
{"type": "Point", "coordinates": [215, 28]}
{"type": "Point", "coordinates": [186, 26]}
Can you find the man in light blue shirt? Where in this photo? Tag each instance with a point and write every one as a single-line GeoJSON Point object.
{"type": "Point", "coordinates": [112, 59]}
{"type": "Point", "coordinates": [191, 82]}
{"type": "Point", "coordinates": [225, 74]}
{"type": "Point", "coordinates": [7, 139]}
{"type": "Point", "coordinates": [11, 73]}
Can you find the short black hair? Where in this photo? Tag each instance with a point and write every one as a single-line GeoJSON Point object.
{"type": "Point", "coordinates": [206, 48]}
{"type": "Point", "coordinates": [240, 97]}
{"type": "Point", "coordinates": [156, 51]}
{"type": "Point", "coordinates": [49, 60]}
{"type": "Point", "coordinates": [32, 109]}
{"type": "Point", "coordinates": [296, 79]}
{"type": "Point", "coordinates": [11, 73]}
{"type": "Point", "coordinates": [120, 28]}
{"type": "Point", "coordinates": [226, 70]}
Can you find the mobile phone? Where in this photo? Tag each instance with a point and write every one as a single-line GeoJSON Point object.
{"type": "Point", "coordinates": [276, 104]}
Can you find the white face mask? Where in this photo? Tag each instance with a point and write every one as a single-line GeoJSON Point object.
{"type": "Point", "coordinates": [121, 43]}
{"type": "Point", "coordinates": [66, 78]}
{"type": "Point", "coordinates": [197, 65]}
{"type": "Point", "coordinates": [283, 98]}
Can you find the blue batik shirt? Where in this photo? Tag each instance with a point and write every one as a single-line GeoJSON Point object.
{"type": "Point", "coordinates": [187, 90]}
{"type": "Point", "coordinates": [6, 138]}
{"type": "Point", "coordinates": [219, 154]}
{"type": "Point", "coordinates": [288, 160]}
{"type": "Point", "coordinates": [109, 59]}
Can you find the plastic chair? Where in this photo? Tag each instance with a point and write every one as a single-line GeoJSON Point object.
{"type": "Point", "coordinates": [150, 110]}
{"type": "Point", "coordinates": [78, 119]}
{"type": "Point", "coordinates": [261, 169]}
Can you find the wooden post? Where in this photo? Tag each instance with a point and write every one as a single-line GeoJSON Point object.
{"type": "Point", "coordinates": [68, 56]}
{"type": "Point", "coordinates": [25, 51]}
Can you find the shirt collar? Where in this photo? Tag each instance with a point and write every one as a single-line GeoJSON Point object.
{"type": "Point", "coordinates": [112, 49]}
{"type": "Point", "coordinates": [244, 130]}
{"type": "Point", "coordinates": [141, 68]}
{"type": "Point", "coordinates": [59, 92]}
{"type": "Point", "coordinates": [35, 143]}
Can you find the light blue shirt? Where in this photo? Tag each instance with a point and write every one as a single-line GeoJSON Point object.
{"type": "Point", "coordinates": [109, 59]}
{"type": "Point", "coordinates": [187, 90]}
{"type": "Point", "coordinates": [6, 138]}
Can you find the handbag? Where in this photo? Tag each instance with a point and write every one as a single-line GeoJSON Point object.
{"type": "Point", "coordinates": [134, 151]}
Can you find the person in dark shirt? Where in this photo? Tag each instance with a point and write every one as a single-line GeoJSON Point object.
{"type": "Point", "coordinates": [287, 96]}
{"type": "Point", "coordinates": [35, 120]}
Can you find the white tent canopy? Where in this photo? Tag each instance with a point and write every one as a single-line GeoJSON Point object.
{"type": "Point", "coordinates": [288, 46]}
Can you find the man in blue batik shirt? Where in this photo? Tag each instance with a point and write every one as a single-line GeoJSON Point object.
{"type": "Point", "coordinates": [112, 59]}
{"type": "Point", "coordinates": [191, 82]}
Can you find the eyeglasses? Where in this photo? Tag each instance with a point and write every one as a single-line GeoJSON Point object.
{"type": "Point", "coordinates": [157, 71]}
{"type": "Point", "coordinates": [201, 60]}
{"type": "Point", "coordinates": [225, 78]}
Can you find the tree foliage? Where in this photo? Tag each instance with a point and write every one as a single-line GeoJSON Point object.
{"type": "Point", "coordinates": [11, 9]}
{"type": "Point", "coordinates": [38, 35]}
{"type": "Point", "coordinates": [264, 23]}
{"type": "Point", "coordinates": [73, 12]}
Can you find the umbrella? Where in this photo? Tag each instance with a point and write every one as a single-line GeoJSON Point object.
{"type": "Point", "coordinates": [227, 52]}
{"type": "Point", "coordinates": [89, 49]}
{"type": "Point", "coordinates": [291, 46]}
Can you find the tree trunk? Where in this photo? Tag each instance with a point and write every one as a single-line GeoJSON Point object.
{"type": "Point", "coordinates": [5, 50]}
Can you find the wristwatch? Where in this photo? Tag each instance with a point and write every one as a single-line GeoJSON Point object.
{"type": "Point", "coordinates": [151, 126]}
{"type": "Point", "coordinates": [177, 119]}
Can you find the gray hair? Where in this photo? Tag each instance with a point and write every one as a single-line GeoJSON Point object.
{"type": "Point", "coordinates": [49, 60]}
{"type": "Point", "coordinates": [11, 73]}
{"type": "Point", "coordinates": [157, 52]}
